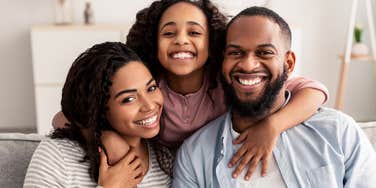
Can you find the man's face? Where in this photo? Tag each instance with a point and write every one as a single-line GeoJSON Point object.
{"type": "Point", "coordinates": [255, 63]}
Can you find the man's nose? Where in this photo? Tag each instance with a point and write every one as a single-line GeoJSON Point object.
{"type": "Point", "coordinates": [249, 62]}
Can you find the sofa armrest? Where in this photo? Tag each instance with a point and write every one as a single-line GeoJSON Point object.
{"type": "Point", "coordinates": [16, 150]}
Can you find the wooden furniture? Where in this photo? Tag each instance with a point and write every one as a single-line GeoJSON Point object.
{"type": "Point", "coordinates": [54, 48]}
{"type": "Point", "coordinates": [347, 57]}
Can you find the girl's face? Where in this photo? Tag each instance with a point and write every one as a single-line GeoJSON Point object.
{"type": "Point", "coordinates": [135, 103]}
{"type": "Point", "coordinates": [183, 39]}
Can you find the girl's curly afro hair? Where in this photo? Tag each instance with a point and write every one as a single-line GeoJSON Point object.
{"type": "Point", "coordinates": [143, 35]}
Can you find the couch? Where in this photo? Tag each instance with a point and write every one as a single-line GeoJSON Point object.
{"type": "Point", "coordinates": [16, 150]}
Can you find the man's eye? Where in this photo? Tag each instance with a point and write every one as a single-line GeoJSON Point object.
{"type": "Point", "coordinates": [128, 100]}
{"type": "Point", "coordinates": [234, 53]}
{"type": "Point", "coordinates": [264, 53]}
{"type": "Point", "coordinates": [152, 88]}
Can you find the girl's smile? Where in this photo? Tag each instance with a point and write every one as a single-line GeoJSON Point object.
{"type": "Point", "coordinates": [183, 39]}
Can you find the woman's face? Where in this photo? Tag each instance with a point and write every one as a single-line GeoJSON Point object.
{"type": "Point", "coordinates": [183, 39]}
{"type": "Point", "coordinates": [135, 104]}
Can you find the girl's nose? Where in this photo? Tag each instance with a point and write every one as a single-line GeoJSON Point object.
{"type": "Point", "coordinates": [181, 39]}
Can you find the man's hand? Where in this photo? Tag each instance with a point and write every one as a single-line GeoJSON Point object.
{"type": "Point", "coordinates": [259, 141]}
{"type": "Point", "coordinates": [127, 173]}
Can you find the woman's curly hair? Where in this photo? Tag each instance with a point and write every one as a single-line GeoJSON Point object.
{"type": "Point", "coordinates": [85, 95]}
{"type": "Point", "coordinates": [143, 35]}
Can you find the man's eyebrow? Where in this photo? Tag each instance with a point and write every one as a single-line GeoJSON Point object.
{"type": "Point", "coordinates": [232, 46]}
{"type": "Point", "coordinates": [268, 45]}
{"type": "Point", "coordinates": [133, 90]}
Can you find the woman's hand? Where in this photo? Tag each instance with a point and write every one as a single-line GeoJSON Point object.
{"type": "Point", "coordinates": [258, 143]}
{"type": "Point", "coordinates": [128, 172]}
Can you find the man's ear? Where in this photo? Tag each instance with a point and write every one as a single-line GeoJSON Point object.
{"type": "Point", "coordinates": [290, 62]}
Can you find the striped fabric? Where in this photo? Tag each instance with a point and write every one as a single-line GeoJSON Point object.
{"type": "Point", "coordinates": [58, 163]}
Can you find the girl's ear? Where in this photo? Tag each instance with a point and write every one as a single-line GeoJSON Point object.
{"type": "Point", "coordinates": [290, 62]}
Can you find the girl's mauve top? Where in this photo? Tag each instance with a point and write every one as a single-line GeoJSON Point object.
{"type": "Point", "coordinates": [184, 114]}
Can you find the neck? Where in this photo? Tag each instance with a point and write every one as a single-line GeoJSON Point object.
{"type": "Point", "coordinates": [241, 123]}
{"type": "Point", "coordinates": [187, 83]}
{"type": "Point", "coordinates": [136, 143]}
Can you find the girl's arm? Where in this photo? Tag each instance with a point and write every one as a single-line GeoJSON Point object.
{"type": "Point", "coordinates": [259, 140]}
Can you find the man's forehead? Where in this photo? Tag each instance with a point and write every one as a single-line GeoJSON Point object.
{"type": "Point", "coordinates": [255, 28]}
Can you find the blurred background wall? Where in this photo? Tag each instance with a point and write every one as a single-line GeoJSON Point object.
{"type": "Point", "coordinates": [322, 24]}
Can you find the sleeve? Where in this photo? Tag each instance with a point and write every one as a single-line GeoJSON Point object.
{"type": "Point", "coordinates": [183, 170]}
{"type": "Point", "coordinates": [294, 84]}
{"type": "Point", "coordinates": [46, 168]}
{"type": "Point", "coordinates": [359, 157]}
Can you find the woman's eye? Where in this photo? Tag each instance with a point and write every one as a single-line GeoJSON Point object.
{"type": "Point", "coordinates": [152, 88]}
{"type": "Point", "coordinates": [128, 100]}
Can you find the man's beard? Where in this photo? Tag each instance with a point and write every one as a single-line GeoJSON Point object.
{"type": "Point", "coordinates": [256, 108]}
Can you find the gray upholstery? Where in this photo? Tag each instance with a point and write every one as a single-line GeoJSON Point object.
{"type": "Point", "coordinates": [15, 152]}
{"type": "Point", "coordinates": [17, 149]}
{"type": "Point", "coordinates": [370, 130]}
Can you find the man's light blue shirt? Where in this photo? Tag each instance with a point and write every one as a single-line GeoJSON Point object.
{"type": "Point", "coordinates": [328, 150]}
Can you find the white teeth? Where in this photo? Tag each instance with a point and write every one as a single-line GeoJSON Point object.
{"type": "Point", "coordinates": [148, 121]}
{"type": "Point", "coordinates": [250, 81]}
{"type": "Point", "coordinates": [182, 55]}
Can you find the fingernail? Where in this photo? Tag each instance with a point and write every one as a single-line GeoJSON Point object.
{"type": "Point", "coordinates": [99, 149]}
{"type": "Point", "coordinates": [247, 178]}
{"type": "Point", "coordinates": [229, 165]}
{"type": "Point", "coordinates": [234, 175]}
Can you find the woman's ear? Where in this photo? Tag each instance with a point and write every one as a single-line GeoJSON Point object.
{"type": "Point", "coordinates": [290, 62]}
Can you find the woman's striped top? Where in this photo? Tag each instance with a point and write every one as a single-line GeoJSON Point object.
{"type": "Point", "coordinates": [58, 163]}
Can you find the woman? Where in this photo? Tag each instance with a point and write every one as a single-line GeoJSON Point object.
{"type": "Point", "coordinates": [107, 88]}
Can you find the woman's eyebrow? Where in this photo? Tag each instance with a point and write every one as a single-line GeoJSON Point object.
{"type": "Point", "coordinates": [125, 91]}
{"type": "Point", "coordinates": [133, 90]}
{"type": "Point", "coordinates": [150, 81]}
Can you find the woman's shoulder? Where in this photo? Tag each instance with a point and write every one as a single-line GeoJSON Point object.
{"type": "Point", "coordinates": [60, 149]}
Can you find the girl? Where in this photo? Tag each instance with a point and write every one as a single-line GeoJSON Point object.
{"type": "Point", "coordinates": [107, 88]}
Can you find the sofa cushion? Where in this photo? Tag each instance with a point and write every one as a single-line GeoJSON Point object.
{"type": "Point", "coordinates": [16, 150]}
{"type": "Point", "coordinates": [370, 129]}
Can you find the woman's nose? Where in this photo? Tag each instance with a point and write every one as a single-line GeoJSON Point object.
{"type": "Point", "coordinates": [147, 104]}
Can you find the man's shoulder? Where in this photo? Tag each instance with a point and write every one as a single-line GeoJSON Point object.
{"type": "Point", "coordinates": [330, 122]}
{"type": "Point", "coordinates": [325, 117]}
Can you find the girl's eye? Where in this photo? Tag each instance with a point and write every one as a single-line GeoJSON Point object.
{"type": "Point", "coordinates": [128, 100]}
{"type": "Point", "coordinates": [194, 33]}
{"type": "Point", "coordinates": [152, 88]}
{"type": "Point", "coordinates": [167, 33]}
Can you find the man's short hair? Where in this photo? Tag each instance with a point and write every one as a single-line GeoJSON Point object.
{"type": "Point", "coordinates": [265, 12]}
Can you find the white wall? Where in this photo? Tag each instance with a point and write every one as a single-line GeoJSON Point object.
{"type": "Point", "coordinates": [323, 32]}
{"type": "Point", "coordinates": [324, 27]}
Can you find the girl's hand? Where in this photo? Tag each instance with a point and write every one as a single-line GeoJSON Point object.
{"type": "Point", "coordinates": [127, 173]}
{"type": "Point", "coordinates": [258, 143]}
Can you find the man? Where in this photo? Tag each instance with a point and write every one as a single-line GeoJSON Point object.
{"type": "Point", "coordinates": [327, 150]}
